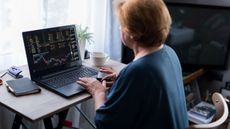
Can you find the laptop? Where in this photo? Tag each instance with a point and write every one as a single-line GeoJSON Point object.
{"type": "Point", "coordinates": [54, 59]}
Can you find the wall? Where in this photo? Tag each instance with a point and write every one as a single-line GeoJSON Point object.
{"type": "Point", "coordinates": [213, 84]}
{"type": "Point", "coordinates": [204, 2]}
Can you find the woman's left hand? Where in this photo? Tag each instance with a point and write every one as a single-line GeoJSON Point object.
{"type": "Point", "coordinates": [92, 85]}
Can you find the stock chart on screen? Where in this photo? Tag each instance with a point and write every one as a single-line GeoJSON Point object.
{"type": "Point", "coordinates": [52, 47]}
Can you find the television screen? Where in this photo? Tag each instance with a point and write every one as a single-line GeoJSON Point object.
{"type": "Point", "coordinates": [200, 35]}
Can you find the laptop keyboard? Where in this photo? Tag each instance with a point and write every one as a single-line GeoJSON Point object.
{"type": "Point", "coordinates": [70, 77]}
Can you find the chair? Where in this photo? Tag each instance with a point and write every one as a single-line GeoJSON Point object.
{"type": "Point", "coordinates": [220, 116]}
{"type": "Point", "coordinates": [127, 54]}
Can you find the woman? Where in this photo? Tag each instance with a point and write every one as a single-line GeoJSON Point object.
{"type": "Point", "coordinates": [148, 93]}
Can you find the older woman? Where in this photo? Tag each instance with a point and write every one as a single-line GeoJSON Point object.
{"type": "Point", "coordinates": [148, 93]}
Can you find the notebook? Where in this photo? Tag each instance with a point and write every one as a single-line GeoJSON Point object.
{"type": "Point", "coordinates": [22, 86]}
{"type": "Point", "coordinates": [54, 59]}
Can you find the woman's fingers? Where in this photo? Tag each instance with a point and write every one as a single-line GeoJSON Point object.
{"type": "Point", "coordinates": [81, 82]}
{"type": "Point", "coordinates": [104, 83]}
{"type": "Point", "coordinates": [84, 79]}
{"type": "Point", "coordinates": [111, 74]}
{"type": "Point", "coordinates": [92, 85]}
{"type": "Point", "coordinates": [85, 82]}
{"type": "Point", "coordinates": [107, 70]}
{"type": "Point", "coordinates": [110, 77]}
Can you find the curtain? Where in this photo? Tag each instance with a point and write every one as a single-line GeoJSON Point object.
{"type": "Point", "coordinates": [17, 16]}
{"type": "Point", "coordinates": [112, 34]}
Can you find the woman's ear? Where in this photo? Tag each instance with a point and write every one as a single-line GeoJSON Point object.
{"type": "Point", "coordinates": [131, 37]}
{"type": "Point", "coordinates": [127, 37]}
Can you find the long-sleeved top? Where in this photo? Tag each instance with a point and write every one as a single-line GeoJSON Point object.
{"type": "Point", "coordinates": [147, 94]}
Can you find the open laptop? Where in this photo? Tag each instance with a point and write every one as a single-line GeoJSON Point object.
{"type": "Point", "coordinates": [54, 59]}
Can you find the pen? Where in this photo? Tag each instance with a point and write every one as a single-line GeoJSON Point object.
{"type": "Point", "coordinates": [3, 74]}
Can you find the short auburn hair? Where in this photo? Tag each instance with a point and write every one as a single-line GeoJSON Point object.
{"type": "Point", "coordinates": [147, 21]}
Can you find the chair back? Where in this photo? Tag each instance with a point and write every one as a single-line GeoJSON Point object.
{"type": "Point", "coordinates": [220, 116]}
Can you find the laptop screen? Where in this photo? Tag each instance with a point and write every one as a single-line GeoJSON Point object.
{"type": "Point", "coordinates": [52, 49]}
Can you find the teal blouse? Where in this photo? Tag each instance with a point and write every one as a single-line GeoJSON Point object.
{"type": "Point", "coordinates": [148, 94]}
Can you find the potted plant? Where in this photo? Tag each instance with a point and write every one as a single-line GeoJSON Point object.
{"type": "Point", "coordinates": [83, 36]}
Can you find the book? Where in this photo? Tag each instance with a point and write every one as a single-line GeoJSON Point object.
{"type": "Point", "coordinates": [202, 113]}
{"type": "Point", "coordinates": [199, 120]}
{"type": "Point", "coordinates": [22, 86]}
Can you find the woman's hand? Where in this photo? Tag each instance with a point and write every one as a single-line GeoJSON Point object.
{"type": "Point", "coordinates": [110, 78]}
{"type": "Point", "coordinates": [92, 85]}
{"type": "Point", "coordinates": [96, 89]}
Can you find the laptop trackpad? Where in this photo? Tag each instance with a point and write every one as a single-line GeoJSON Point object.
{"type": "Point", "coordinates": [70, 89]}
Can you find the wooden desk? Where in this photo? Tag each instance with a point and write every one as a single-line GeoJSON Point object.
{"type": "Point", "coordinates": [45, 104]}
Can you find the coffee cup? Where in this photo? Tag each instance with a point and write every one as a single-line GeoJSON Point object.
{"type": "Point", "coordinates": [99, 58]}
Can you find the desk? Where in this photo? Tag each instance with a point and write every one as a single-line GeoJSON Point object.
{"type": "Point", "coordinates": [45, 104]}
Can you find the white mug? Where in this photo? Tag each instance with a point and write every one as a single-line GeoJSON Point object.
{"type": "Point", "coordinates": [99, 58]}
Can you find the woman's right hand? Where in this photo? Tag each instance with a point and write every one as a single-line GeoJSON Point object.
{"type": "Point", "coordinates": [110, 78]}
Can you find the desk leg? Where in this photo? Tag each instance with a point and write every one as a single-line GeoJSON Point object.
{"type": "Point", "coordinates": [17, 122]}
{"type": "Point", "coordinates": [87, 119]}
{"type": "Point", "coordinates": [62, 116]}
{"type": "Point", "coordinates": [48, 123]}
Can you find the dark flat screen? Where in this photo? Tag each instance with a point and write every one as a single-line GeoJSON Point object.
{"type": "Point", "coordinates": [200, 35]}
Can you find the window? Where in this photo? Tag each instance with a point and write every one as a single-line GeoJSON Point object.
{"type": "Point", "coordinates": [18, 16]}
